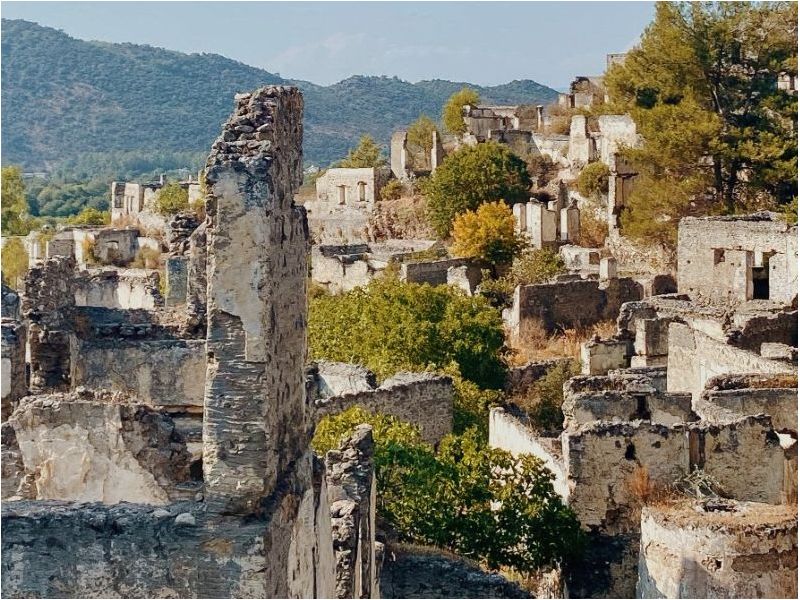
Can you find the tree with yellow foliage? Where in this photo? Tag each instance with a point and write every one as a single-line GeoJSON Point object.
{"type": "Point", "coordinates": [488, 233]}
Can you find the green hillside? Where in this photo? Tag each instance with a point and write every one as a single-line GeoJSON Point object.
{"type": "Point", "coordinates": [63, 98]}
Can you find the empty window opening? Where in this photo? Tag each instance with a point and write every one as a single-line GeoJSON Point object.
{"type": "Point", "coordinates": [362, 191]}
{"type": "Point", "coordinates": [342, 194]}
{"type": "Point", "coordinates": [719, 255]}
{"type": "Point", "coordinates": [761, 282]}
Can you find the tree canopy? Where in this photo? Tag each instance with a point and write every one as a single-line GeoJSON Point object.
{"type": "Point", "coordinates": [15, 207]}
{"type": "Point", "coordinates": [392, 326]}
{"type": "Point", "coordinates": [172, 199]}
{"type": "Point", "coordinates": [366, 155]}
{"type": "Point", "coordinates": [477, 501]}
{"type": "Point", "coordinates": [471, 176]}
{"type": "Point", "coordinates": [719, 134]}
{"type": "Point", "coordinates": [488, 233]}
{"type": "Point", "coordinates": [420, 141]}
{"type": "Point", "coordinates": [451, 113]}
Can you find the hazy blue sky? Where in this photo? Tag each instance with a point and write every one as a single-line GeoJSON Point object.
{"type": "Point", "coordinates": [481, 42]}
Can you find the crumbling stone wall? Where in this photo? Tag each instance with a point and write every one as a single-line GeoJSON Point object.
{"type": "Point", "coordinates": [48, 302]}
{"type": "Point", "coordinates": [350, 478]}
{"type": "Point", "coordinates": [721, 258]}
{"type": "Point", "coordinates": [254, 427]}
{"type": "Point", "coordinates": [91, 447]}
{"type": "Point", "coordinates": [695, 357]}
{"type": "Point", "coordinates": [568, 303]}
{"type": "Point", "coordinates": [423, 399]}
{"type": "Point", "coordinates": [163, 373]}
{"type": "Point", "coordinates": [728, 550]}
{"type": "Point", "coordinates": [118, 288]}
{"type": "Point", "coordinates": [14, 379]}
{"type": "Point", "coordinates": [413, 572]}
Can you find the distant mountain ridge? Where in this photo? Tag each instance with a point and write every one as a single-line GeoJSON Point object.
{"type": "Point", "coordinates": [64, 97]}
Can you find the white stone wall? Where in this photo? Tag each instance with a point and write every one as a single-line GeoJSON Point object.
{"type": "Point", "coordinates": [748, 551]}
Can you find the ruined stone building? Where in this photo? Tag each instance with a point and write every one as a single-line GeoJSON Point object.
{"type": "Point", "coordinates": [163, 451]}
{"type": "Point", "coordinates": [697, 391]}
{"type": "Point", "coordinates": [345, 201]}
{"type": "Point", "coordinates": [136, 202]}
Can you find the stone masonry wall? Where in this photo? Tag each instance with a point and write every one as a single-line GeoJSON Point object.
{"type": "Point", "coordinates": [350, 478]}
{"type": "Point", "coordinates": [254, 419]}
{"type": "Point", "coordinates": [423, 399]}
{"type": "Point", "coordinates": [164, 373]}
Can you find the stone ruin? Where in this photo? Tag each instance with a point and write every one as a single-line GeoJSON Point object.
{"type": "Point", "coordinates": [136, 202]}
{"type": "Point", "coordinates": [697, 388]}
{"type": "Point", "coordinates": [176, 437]}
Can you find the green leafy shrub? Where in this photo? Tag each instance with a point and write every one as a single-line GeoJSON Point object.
{"type": "Point", "coordinates": [593, 180]}
{"type": "Point", "coordinates": [14, 262]}
{"type": "Point", "coordinates": [392, 190]}
{"type": "Point", "coordinates": [543, 400]}
{"type": "Point", "coordinates": [366, 155]}
{"type": "Point", "coordinates": [172, 199]}
{"type": "Point", "coordinates": [451, 112]}
{"type": "Point", "coordinates": [479, 502]}
{"type": "Point", "coordinates": [391, 326]}
{"type": "Point", "coordinates": [471, 176]}
{"type": "Point", "coordinates": [91, 217]}
{"type": "Point", "coordinates": [537, 265]}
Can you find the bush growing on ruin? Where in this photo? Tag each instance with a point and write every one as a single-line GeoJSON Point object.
{"type": "Point", "coordinates": [391, 326]}
{"type": "Point", "coordinates": [543, 400]}
{"type": "Point", "coordinates": [488, 233]}
{"type": "Point", "coordinates": [592, 181]}
{"type": "Point", "coordinates": [90, 217]}
{"type": "Point", "coordinates": [535, 265]}
{"type": "Point", "coordinates": [392, 190]}
{"type": "Point", "coordinates": [451, 113]}
{"type": "Point", "coordinates": [172, 199]}
{"type": "Point", "coordinates": [594, 230]}
{"type": "Point", "coordinates": [14, 262]}
{"type": "Point", "coordinates": [541, 168]}
{"type": "Point", "coordinates": [471, 176]}
{"type": "Point", "coordinates": [717, 130]}
{"type": "Point", "coordinates": [479, 502]}
{"type": "Point", "coordinates": [420, 142]}
{"type": "Point", "coordinates": [364, 156]}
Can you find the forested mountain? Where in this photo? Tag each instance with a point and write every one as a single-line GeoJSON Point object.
{"type": "Point", "coordinates": [63, 98]}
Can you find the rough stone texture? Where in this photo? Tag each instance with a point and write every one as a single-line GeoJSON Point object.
{"type": "Point", "coordinates": [423, 399]}
{"type": "Point", "coordinates": [412, 572]}
{"type": "Point", "coordinates": [12, 354]}
{"type": "Point", "coordinates": [179, 229]}
{"type": "Point", "coordinates": [598, 357]}
{"type": "Point", "coordinates": [47, 304]}
{"type": "Point", "coordinates": [115, 246]}
{"type": "Point", "coordinates": [569, 303]}
{"type": "Point", "coordinates": [254, 425]}
{"type": "Point", "coordinates": [622, 398]}
{"type": "Point", "coordinates": [164, 373]}
{"type": "Point", "coordinates": [741, 550]}
{"type": "Point", "coordinates": [724, 258]}
{"type": "Point", "coordinates": [433, 272]}
{"type": "Point", "coordinates": [721, 406]}
{"type": "Point", "coordinates": [350, 478]}
{"type": "Point", "coordinates": [91, 447]}
{"type": "Point", "coordinates": [519, 379]}
{"type": "Point", "coordinates": [177, 271]}
{"type": "Point", "coordinates": [197, 281]}
{"type": "Point", "coordinates": [336, 379]}
{"type": "Point", "coordinates": [10, 303]}
{"type": "Point", "coordinates": [466, 277]}
{"type": "Point", "coordinates": [695, 357]}
{"type": "Point", "coordinates": [140, 551]}
{"type": "Point", "coordinates": [118, 288]}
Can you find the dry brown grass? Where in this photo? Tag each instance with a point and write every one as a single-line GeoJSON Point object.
{"type": "Point", "coordinates": [541, 345]}
{"type": "Point", "coordinates": [594, 230]}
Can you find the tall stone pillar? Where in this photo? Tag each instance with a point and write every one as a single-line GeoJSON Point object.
{"type": "Point", "coordinates": [437, 151]}
{"type": "Point", "coordinates": [254, 425]}
{"type": "Point", "coordinates": [398, 158]}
